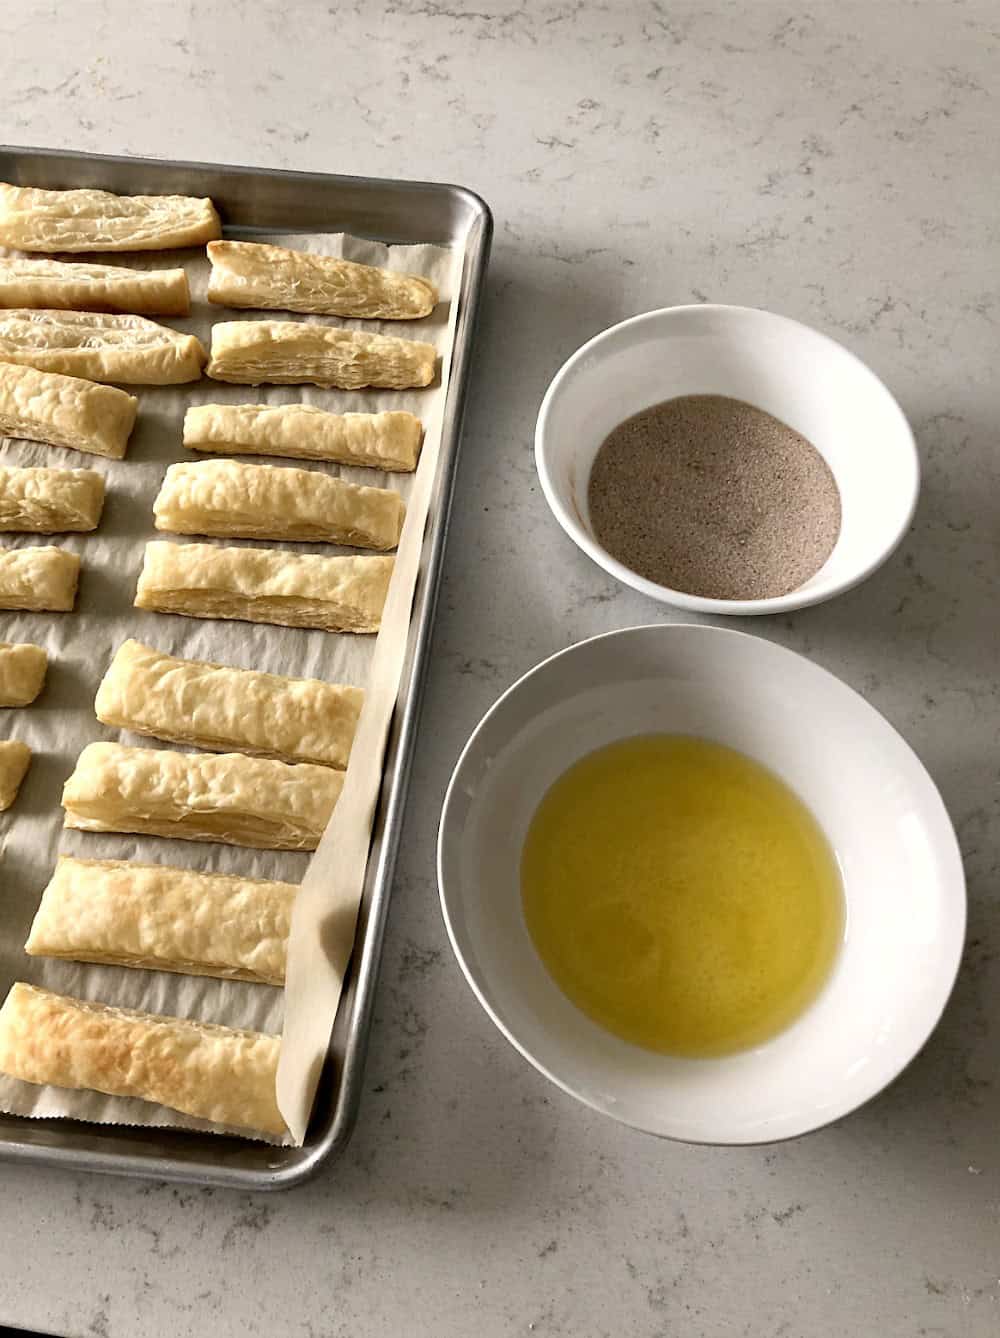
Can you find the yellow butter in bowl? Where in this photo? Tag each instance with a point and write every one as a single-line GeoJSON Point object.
{"type": "Point", "coordinates": [681, 895]}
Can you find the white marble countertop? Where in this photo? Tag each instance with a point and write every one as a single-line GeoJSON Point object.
{"type": "Point", "coordinates": [836, 163]}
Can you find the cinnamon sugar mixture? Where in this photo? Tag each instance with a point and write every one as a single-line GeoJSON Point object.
{"type": "Point", "coordinates": [714, 497]}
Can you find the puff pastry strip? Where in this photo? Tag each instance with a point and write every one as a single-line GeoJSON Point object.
{"type": "Point", "coordinates": [96, 220]}
{"type": "Point", "coordinates": [59, 286]}
{"type": "Point", "coordinates": [15, 758]}
{"type": "Point", "coordinates": [164, 919]}
{"type": "Point", "coordinates": [199, 1068]}
{"type": "Point", "coordinates": [388, 441]}
{"type": "Point", "coordinates": [210, 706]}
{"type": "Point", "coordinates": [65, 411]}
{"type": "Point", "coordinates": [22, 672]}
{"type": "Point", "coordinates": [274, 278]}
{"type": "Point", "coordinates": [41, 580]}
{"type": "Point", "coordinates": [50, 501]}
{"type": "Point", "coordinates": [230, 499]}
{"type": "Point", "coordinates": [264, 585]}
{"type": "Point", "coordinates": [102, 347]}
{"type": "Point", "coordinates": [226, 797]}
{"type": "Point", "coordinates": [286, 352]}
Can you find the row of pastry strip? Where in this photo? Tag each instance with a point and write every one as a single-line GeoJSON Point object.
{"type": "Point", "coordinates": [83, 415]}
{"type": "Point", "coordinates": [215, 497]}
{"type": "Point", "coordinates": [334, 594]}
{"type": "Point", "coordinates": [133, 350]}
{"type": "Point", "coordinates": [244, 274]}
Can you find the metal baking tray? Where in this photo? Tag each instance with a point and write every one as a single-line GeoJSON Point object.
{"type": "Point", "coordinates": [277, 201]}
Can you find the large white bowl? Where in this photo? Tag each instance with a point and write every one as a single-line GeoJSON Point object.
{"type": "Point", "coordinates": [897, 851]}
{"type": "Point", "coordinates": [797, 374]}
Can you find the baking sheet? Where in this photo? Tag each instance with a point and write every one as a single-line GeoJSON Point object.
{"type": "Point", "coordinates": [80, 644]}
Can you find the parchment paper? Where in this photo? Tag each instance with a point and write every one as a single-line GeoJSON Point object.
{"type": "Point", "coordinates": [80, 645]}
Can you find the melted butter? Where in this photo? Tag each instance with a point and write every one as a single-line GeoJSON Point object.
{"type": "Point", "coordinates": [681, 895]}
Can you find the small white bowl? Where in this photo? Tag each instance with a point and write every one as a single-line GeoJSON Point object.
{"type": "Point", "coordinates": [797, 374]}
{"type": "Point", "coordinates": [901, 868]}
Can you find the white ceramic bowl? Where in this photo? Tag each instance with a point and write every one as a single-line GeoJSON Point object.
{"type": "Point", "coordinates": [797, 374]}
{"type": "Point", "coordinates": [897, 851]}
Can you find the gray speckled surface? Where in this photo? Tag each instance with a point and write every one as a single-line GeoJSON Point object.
{"type": "Point", "coordinates": [836, 163]}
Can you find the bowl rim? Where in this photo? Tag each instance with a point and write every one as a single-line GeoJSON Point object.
{"type": "Point", "coordinates": [954, 854]}
{"type": "Point", "coordinates": [795, 599]}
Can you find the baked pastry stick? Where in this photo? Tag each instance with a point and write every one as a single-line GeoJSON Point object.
{"type": "Point", "coordinates": [228, 797]}
{"type": "Point", "coordinates": [41, 580]}
{"type": "Point", "coordinates": [288, 352]}
{"type": "Point", "coordinates": [50, 501]}
{"type": "Point", "coordinates": [255, 274]}
{"type": "Point", "coordinates": [65, 411]}
{"type": "Point", "coordinates": [211, 706]}
{"type": "Point", "coordinates": [15, 758]}
{"type": "Point", "coordinates": [388, 441]}
{"type": "Point", "coordinates": [22, 672]}
{"type": "Point", "coordinates": [198, 1068]}
{"type": "Point", "coordinates": [164, 919]}
{"type": "Point", "coordinates": [95, 220]}
{"type": "Point", "coordinates": [264, 585]}
{"type": "Point", "coordinates": [230, 499]}
{"type": "Point", "coordinates": [59, 286]}
{"type": "Point", "coordinates": [102, 347]}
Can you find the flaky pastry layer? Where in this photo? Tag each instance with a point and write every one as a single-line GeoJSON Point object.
{"type": "Point", "coordinates": [32, 219]}
{"type": "Point", "coordinates": [275, 278]}
{"type": "Point", "coordinates": [226, 797]}
{"type": "Point", "coordinates": [287, 352]}
{"type": "Point", "coordinates": [264, 585]}
{"type": "Point", "coordinates": [389, 441]}
{"type": "Point", "coordinates": [164, 919]}
{"type": "Point", "coordinates": [15, 758]}
{"type": "Point", "coordinates": [232, 499]}
{"type": "Point", "coordinates": [212, 706]}
{"type": "Point", "coordinates": [100, 346]}
{"type": "Point", "coordinates": [61, 286]}
{"type": "Point", "coordinates": [199, 1068]}
{"type": "Point", "coordinates": [41, 580]}
{"type": "Point", "coordinates": [50, 501]}
{"type": "Point", "coordinates": [22, 672]}
{"type": "Point", "coordinates": [65, 411]}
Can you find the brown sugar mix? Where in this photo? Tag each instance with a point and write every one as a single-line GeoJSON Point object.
{"type": "Point", "coordinates": [714, 497]}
